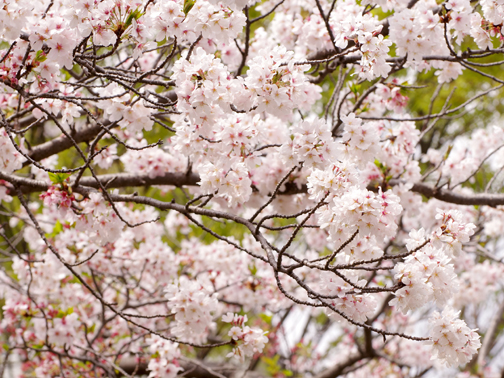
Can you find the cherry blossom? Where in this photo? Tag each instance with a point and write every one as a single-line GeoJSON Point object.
{"type": "Point", "coordinates": [283, 188]}
{"type": "Point", "coordinates": [453, 342]}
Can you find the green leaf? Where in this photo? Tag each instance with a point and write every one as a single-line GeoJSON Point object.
{"type": "Point", "coordinates": [40, 56]}
{"type": "Point", "coordinates": [380, 166]}
{"type": "Point", "coordinates": [136, 14]}
{"type": "Point", "coordinates": [271, 361]}
{"type": "Point", "coordinates": [58, 178]}
{"type": "Point", "coordinates": [321, 318]}
{"type": "Point", "coordinates": [62, 314]}
{"type": "Point", "coordinates": [58, 227]}
{"type": "Point", "coordinates": [272, 365]}
{"type": "Point", "coordinates": [355, 88]}
{"type": "Point", "coordinates": [5, 347]}
{"type": "Point", "coordinates": [253, 269]}
{"type": "Point", "coordinates": [188, 4]}
{"type": "Point", "coordinates": [266, 318]}
{"type": "Point", "coordinates": [450, 147]}
{"type": "Point", "coordinates": [276, 77]}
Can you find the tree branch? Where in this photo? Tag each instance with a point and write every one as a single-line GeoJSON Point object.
{"type": "Point", "coordinates": [123, 180]}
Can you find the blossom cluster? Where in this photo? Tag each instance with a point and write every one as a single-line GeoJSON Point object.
{"type": "Point", "coordinates": [10, 159]}
{"type": "Point", "coordinates": [120, 107]}
{"type": "Point", "coordinates": [427, 273]}
{"type": "Point", "coordinates": [164, 363]}
{"type": "Point", "coordinates": [363, 211]}
{"type": "Point", "coordinates": [193, 307]}
{"type": "Point", "coordinates": [99, 220]}
{"type": "Point", "coordinates": [358, 307]}
{"type": "Point", "coordinates": [250, 340]}
{"type": "Point", "coordinates": [290, 164]}
{"type": "Point", "coordinates": [364, 30]}
{"type": "Point", "coordinates": [453, 341]}
{"type": "Point", "coordinates": [278, 84]}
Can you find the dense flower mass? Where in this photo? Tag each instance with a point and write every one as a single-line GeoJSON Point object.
{"type": "Point", "coordinates": [247, 188]}
{"type": "Point", "coordinates": [451, 338]}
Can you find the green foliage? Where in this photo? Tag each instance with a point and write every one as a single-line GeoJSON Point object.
{"type": "Point", "coordinates": [92, 328]}
{"type": "Point", "coordinates": [355, 88]}
{"type": "Point", "coordinates": [383, 169]}
{"type": "Point", "coordinates": [274, 368]}
{"type": "Point", "coordinates": [266, 318]}
{"type": "Point", "coordinates": [253, 269]}
{"type": "Point", "coordinates": [37, 346]}
{"type": "Point", "coordinates": [188, 5]}
{"type": "Point", "coordinates": [135, 15]}
{"type": "Point", "coordinates": [321, 318]}
{"type": "Point", "coordinates": [40, 56]}
{"type": "Point", "coordinates": [158, 132]}
{"type": "Point", "coordinates": [455, 94]}
{"type": "Point", "coordinates": [58, 178]}
{"type": "Point", "coordinates": [62, 314]}
{"type": "Point", "coordinates": [57, 229]}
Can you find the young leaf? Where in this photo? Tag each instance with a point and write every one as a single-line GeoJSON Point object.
{"type": "Point", "coordinates": [58, 178]}
{"type": "Point", "coordinates": [188, 4]}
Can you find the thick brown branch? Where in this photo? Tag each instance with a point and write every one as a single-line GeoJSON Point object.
{"type": "Point", "coordinates": [457, 198]}
{"type": "Point", "coordinates": [62, 143]}
{"type": "Point", "coordinates": [123, 180]}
